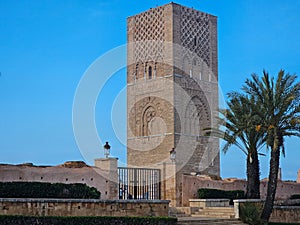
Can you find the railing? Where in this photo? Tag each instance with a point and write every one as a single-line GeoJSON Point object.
{"type": "Point", "coordinates": [139, 183]}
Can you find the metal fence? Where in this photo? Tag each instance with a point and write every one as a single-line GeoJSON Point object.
{"type": "Point", "coordinates": [139, 183]}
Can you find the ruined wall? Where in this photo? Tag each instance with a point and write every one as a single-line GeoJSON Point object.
{"type": "Point", "coordinates": [280, 214]}
{"type": "Point", "coordinates": [99, 178]}
{"type": "Point", "coordinates": [285, 214]}
{"type": "Point", "coordinates": [191, 184]}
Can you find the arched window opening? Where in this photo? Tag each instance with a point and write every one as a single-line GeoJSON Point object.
{"type": "Point", "coordinates": [145, 71]}
{"type": "Point", "coordinates": [186, 66]}
{"type": "Point", "coordinates": [150, 72]}
{"type": "Point", "coordinates": [194, 62]}
{"type": "Point", "coordinates": [147, 117]}
{"type": "Point", "coordinates": [136, 72]}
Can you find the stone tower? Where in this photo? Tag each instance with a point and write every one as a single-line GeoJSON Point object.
{"type": "Point", "coordinates": [172, 89]}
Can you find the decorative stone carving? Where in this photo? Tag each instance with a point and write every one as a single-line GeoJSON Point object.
{"type": "Point", "coordinates": [149, 35]}
{"type": "Point", "coordinates": [195, 35]}
{"type": "Point", "coordinates": [145, 115]}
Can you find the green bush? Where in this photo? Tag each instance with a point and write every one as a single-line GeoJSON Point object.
{"type": "Point", "coordinates": [25, 220]}
{"type": "Point", "coordinates": [47, 190]}
{"type": "Point", "coordinates": [207, 193]}
{"type": "Point", "coordinates": [250, 213]}
{"type": "Point", "coordinates": [284, 223]}
{"type": "Point", "coordinates": [296, 196]}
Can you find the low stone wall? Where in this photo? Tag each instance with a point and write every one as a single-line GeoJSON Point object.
{"type": "Point", "coordinates": [286, 214]}
{"type": "Point", "coordinates": [79, 207]}
{"type": "Point", "coordinates": [280, 214]}
{"type": "Point", "coordinates": [203, 203]}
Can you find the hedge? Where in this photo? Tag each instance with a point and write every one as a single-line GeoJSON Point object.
{"type": "Point", "coordinates": [296, 196]}
{"type": "Point", "coordinates": [47, 190]}
{"type": "Point", "coordinates": [250, 213]}
{"type": "Point", "coordinates": [25, 220]}
{"type": "Point", "coordinates": [284, 223]}
{"type": "Point", "coordinates": [207, 193]}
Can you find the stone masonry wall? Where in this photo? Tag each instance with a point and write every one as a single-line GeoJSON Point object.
{"type": "Point", "coordinates": [150, 120]}
{"type": "Point", "coordinates": [285, 214]}
{"type": "Point", "coordinates": [191, 184]}
{"type": "Point", "coordinates": [78, 207]}
{"type": "Point", "coordinates": [172, 91]}
{"type": "Point", "coordinates": [280, 214]}
{"type": "Point", "coordinates": [92, 176]}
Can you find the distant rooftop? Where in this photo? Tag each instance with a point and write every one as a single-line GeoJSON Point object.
{"type": "Point", "coordinates": [68, 164]}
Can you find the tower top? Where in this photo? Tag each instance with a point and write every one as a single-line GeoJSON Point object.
{"type": "Point", "coordinates": [172, 4]}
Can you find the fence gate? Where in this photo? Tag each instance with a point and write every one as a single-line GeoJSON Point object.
{"type": "Point", "coordinates": [139, 183]}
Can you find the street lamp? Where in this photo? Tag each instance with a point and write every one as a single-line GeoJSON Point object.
{"type": "Point", "coordinates": [173, 155]}
{"type": "Point", "coordinates": [106, 148]}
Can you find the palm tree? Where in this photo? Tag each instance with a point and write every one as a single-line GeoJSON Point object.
{"type": "Point", "coordinates": [280, 102]}
{"type": "Point", "coordinates": [236, 128]}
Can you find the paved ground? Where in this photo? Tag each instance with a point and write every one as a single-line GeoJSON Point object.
{"type": "Point", "coordinates": [207, 221]}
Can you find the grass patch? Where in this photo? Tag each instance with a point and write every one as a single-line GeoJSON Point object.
{"type": "Point", "coordinates": [284, 223]}
{"type": "Point", "coordinates": [103, 220]}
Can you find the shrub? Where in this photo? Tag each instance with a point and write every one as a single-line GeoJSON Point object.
{"type": "Point", "coordinates": [47, 190]}
{"type": "Point", "coordinates": [215, 193]}
{"type": "Point", "coordinates": [284, 223]}
{"type": "Point", "coordinates": [250, 213]}
{"type": "Point", "coordinates": [25, 220]}
{"type": "Point", "coordinates": [296, 196]}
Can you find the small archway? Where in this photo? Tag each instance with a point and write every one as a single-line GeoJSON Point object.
{"type": "Point", "coordinates": [150, 72]}
{"type": "Point", "coordinates": [147, 117]}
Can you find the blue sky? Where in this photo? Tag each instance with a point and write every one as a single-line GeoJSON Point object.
{"type": "Point", "coordinates": [46, 46]}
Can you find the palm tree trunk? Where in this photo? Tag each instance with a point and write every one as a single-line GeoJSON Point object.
{"type": "Point", "coordinates": [272, 184]}
{"type": "Point", "coordinates": [253, 181]}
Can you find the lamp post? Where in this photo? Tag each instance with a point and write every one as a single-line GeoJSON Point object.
{"type": "Point", "coordinates": [173, 155]}
{"type": "Point", "coordinates": [106, 148]}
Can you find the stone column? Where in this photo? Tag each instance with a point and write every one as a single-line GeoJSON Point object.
{"type": "Point", "coordinates": [168, 189]}
{"type": "Point", "coordinates": [108, 168]}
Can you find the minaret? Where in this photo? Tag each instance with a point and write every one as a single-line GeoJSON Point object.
{"type": "Point", "coordinates": [172, 89]}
